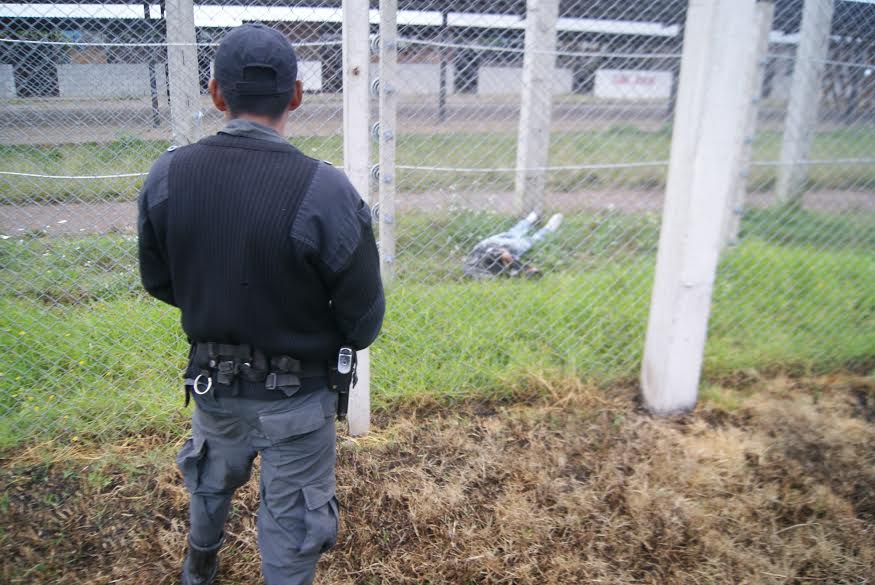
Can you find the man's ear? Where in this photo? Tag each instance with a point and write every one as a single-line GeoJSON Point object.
{"type": "Point", "coordinates": [297, 96]}
{"type": "Point", "coordinates": [216, 94]}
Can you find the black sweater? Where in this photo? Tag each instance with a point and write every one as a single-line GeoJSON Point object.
{"type": "Point", "coordinates": [257, 243]}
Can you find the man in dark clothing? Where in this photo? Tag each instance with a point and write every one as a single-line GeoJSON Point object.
{"type": "Point", "coordinates": [270, 256]}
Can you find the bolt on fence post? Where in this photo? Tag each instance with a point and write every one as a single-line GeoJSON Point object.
{"type": "Point", "coordinates": [801, 120]}
{"type": "Point", "coordinates": [754, 75]}
{"type": "Point", "coordinates": [183, 70]}
{"type": "Point", "coordinates": [356, 159]}
{"type": "Point", "coordinates": [536, 103]}
{"type": "Point", "coordinates": [386, 133]}
{"type": "Point", "coordinates": [705, 156]}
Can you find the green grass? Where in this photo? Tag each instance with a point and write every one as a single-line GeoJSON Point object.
{"type": "Point", "coordinates": [87, 354]}
{"type": "Point", "coordinates": [620, 144]}
{"type": "Point", "coordinates": [125, 155]}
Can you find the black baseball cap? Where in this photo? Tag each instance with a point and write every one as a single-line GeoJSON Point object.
{"type": "Point", "coordinates": [256, 60]}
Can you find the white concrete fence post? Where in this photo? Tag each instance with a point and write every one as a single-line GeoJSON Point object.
{"type": "Point", "coordinates": [356, 157]}
{"type": "Point", "coordinates": [182, 65]}
{"type": "Point", "coordinates": [705, 161]}
{"type": "Point", "coordinates": [388, 110]}
{"type": "Point", "coordinates": [756, 61]}
{"type": "Point", "coordinates": [539, 60]}
{"type": "Point", "coordinates": [805, 92]}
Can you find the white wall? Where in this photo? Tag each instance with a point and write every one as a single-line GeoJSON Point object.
{"type": "Point", "coordinates": [7, 82]}
{"type": "Point", "coordinates": [620, 84]}
{"type": "Point", "coordinates": [108, 80]}
{"type": "Point", "coordinates": [424, 78]}
{"type": "Point", "coordinates": [507, 80]}
{"type": "Point", "coordinates": [310, 72]}
{"type": "Point", "coordinates": [419, 78]}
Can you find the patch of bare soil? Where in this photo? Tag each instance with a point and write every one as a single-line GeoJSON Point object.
{"type": "Point", "coordinates": [568, 484]}
{"type": "Point", "coordinates": [100, 218]}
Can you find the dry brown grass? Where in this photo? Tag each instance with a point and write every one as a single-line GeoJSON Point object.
{"type": "Point", "coordinates": [774, 483]}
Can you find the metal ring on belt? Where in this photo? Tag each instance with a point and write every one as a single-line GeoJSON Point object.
{"type": "Point", "coordinates": [197, 380]}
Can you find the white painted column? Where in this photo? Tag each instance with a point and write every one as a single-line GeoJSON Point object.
{"type": "Point", "coordinates": [388, 111]}
{"type": "Point", "coordinates": [356, 158]}
{"type": "Point", "coordinates": [754, 75]}
{"type": "Point", "coordinates": [708, 131]}
{"type": "Point", "coordinates": [805, 92]}
{"type": "Point", "coordinates": [533, 142]}
{"type": "Point", "coordinates": [185, 109]}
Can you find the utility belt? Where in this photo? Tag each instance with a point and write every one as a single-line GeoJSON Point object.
{"type": "Point", "coordinates": [221, 367]}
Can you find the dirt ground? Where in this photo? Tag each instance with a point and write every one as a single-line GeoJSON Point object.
{"type": "Point", "coordinates": [102, 218]}
{"type": "Point", "coordinates": [770, 482]}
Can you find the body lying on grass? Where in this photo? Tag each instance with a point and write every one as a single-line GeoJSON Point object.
{"type": "Point", "coordinates": [501, 254]}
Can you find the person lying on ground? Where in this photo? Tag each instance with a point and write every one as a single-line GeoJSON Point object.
{"type": "Point", "coordinates": [501, 254]}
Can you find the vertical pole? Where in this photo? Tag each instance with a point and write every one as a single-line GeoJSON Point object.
{"type": "Point", "coordinates": [356, 158]}
{"type": "Point", "coordinates": [754, 76]}
{"type": "Point", "coordinates": [388, 109]}
{"type": "Point", "coordinates": [805, 93]}
{"type": "Point", "coordinates": [183, 69]}
{"type": "Point", "coordinates": [536, 103]}
{"type": "Point", "coordinates": [442, 88]}
{"type": "Point", "coordinates": [675, 75]}
{"type": "Point", "coordinates": [856, 73]}
{"type": "Point", "coordinates": [153, 82]}
{"type": "Point", "coordinates": [705, 152]}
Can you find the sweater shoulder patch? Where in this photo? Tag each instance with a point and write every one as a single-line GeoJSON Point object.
{"type": "Point", "coordinates": [328, 218]}
{"type": "Point", "coordinates": [155, 188]}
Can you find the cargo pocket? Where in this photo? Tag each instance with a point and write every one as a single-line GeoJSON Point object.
{"type": "Point", "coordinates": [280, 426]}
{"type": "Point", "coordinates": [190, 461]}
{"type": "Point", "coordinates": [321, 519]}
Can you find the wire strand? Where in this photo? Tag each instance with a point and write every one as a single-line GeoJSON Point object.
{"type": "Point", "coordinates": [524, 169]}
{"type": "Point", "coordinates": [582, 167]}
{"type": "Point", "coordinates": [835, 161]}
{"type": "Point", "coordinates": [73, 177]}
{"type": "Point", "coordinates": [87, 44]}
{"type": "Point", "coordinates": [825, 61]}
{"type": "Point", "coordinates": [519, 50]}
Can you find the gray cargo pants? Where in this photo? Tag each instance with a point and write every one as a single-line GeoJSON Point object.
{"type": "Point", "coordinates": [298, 513]}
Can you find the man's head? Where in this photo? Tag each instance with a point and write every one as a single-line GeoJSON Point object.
{"type": "Point", "coordinates": [255, 75]}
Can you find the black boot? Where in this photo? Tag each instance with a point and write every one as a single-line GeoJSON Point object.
{"type": "Point", "coordinates": [201, 564]}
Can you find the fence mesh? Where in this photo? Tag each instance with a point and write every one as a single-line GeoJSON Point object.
{"type": "Point", "coordinates": [807, 212]}
{"type": "Point", "coordinates": [582, 310]}
{"type": "Point", "coordinates": [86, 109]}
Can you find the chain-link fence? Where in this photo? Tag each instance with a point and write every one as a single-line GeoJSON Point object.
{"type": "Point", "coordinates": [597, 97]}
{"type": "Point", "coordinates": [497, 116]}
{"type": "Point", "coordinates": [806, 207]}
